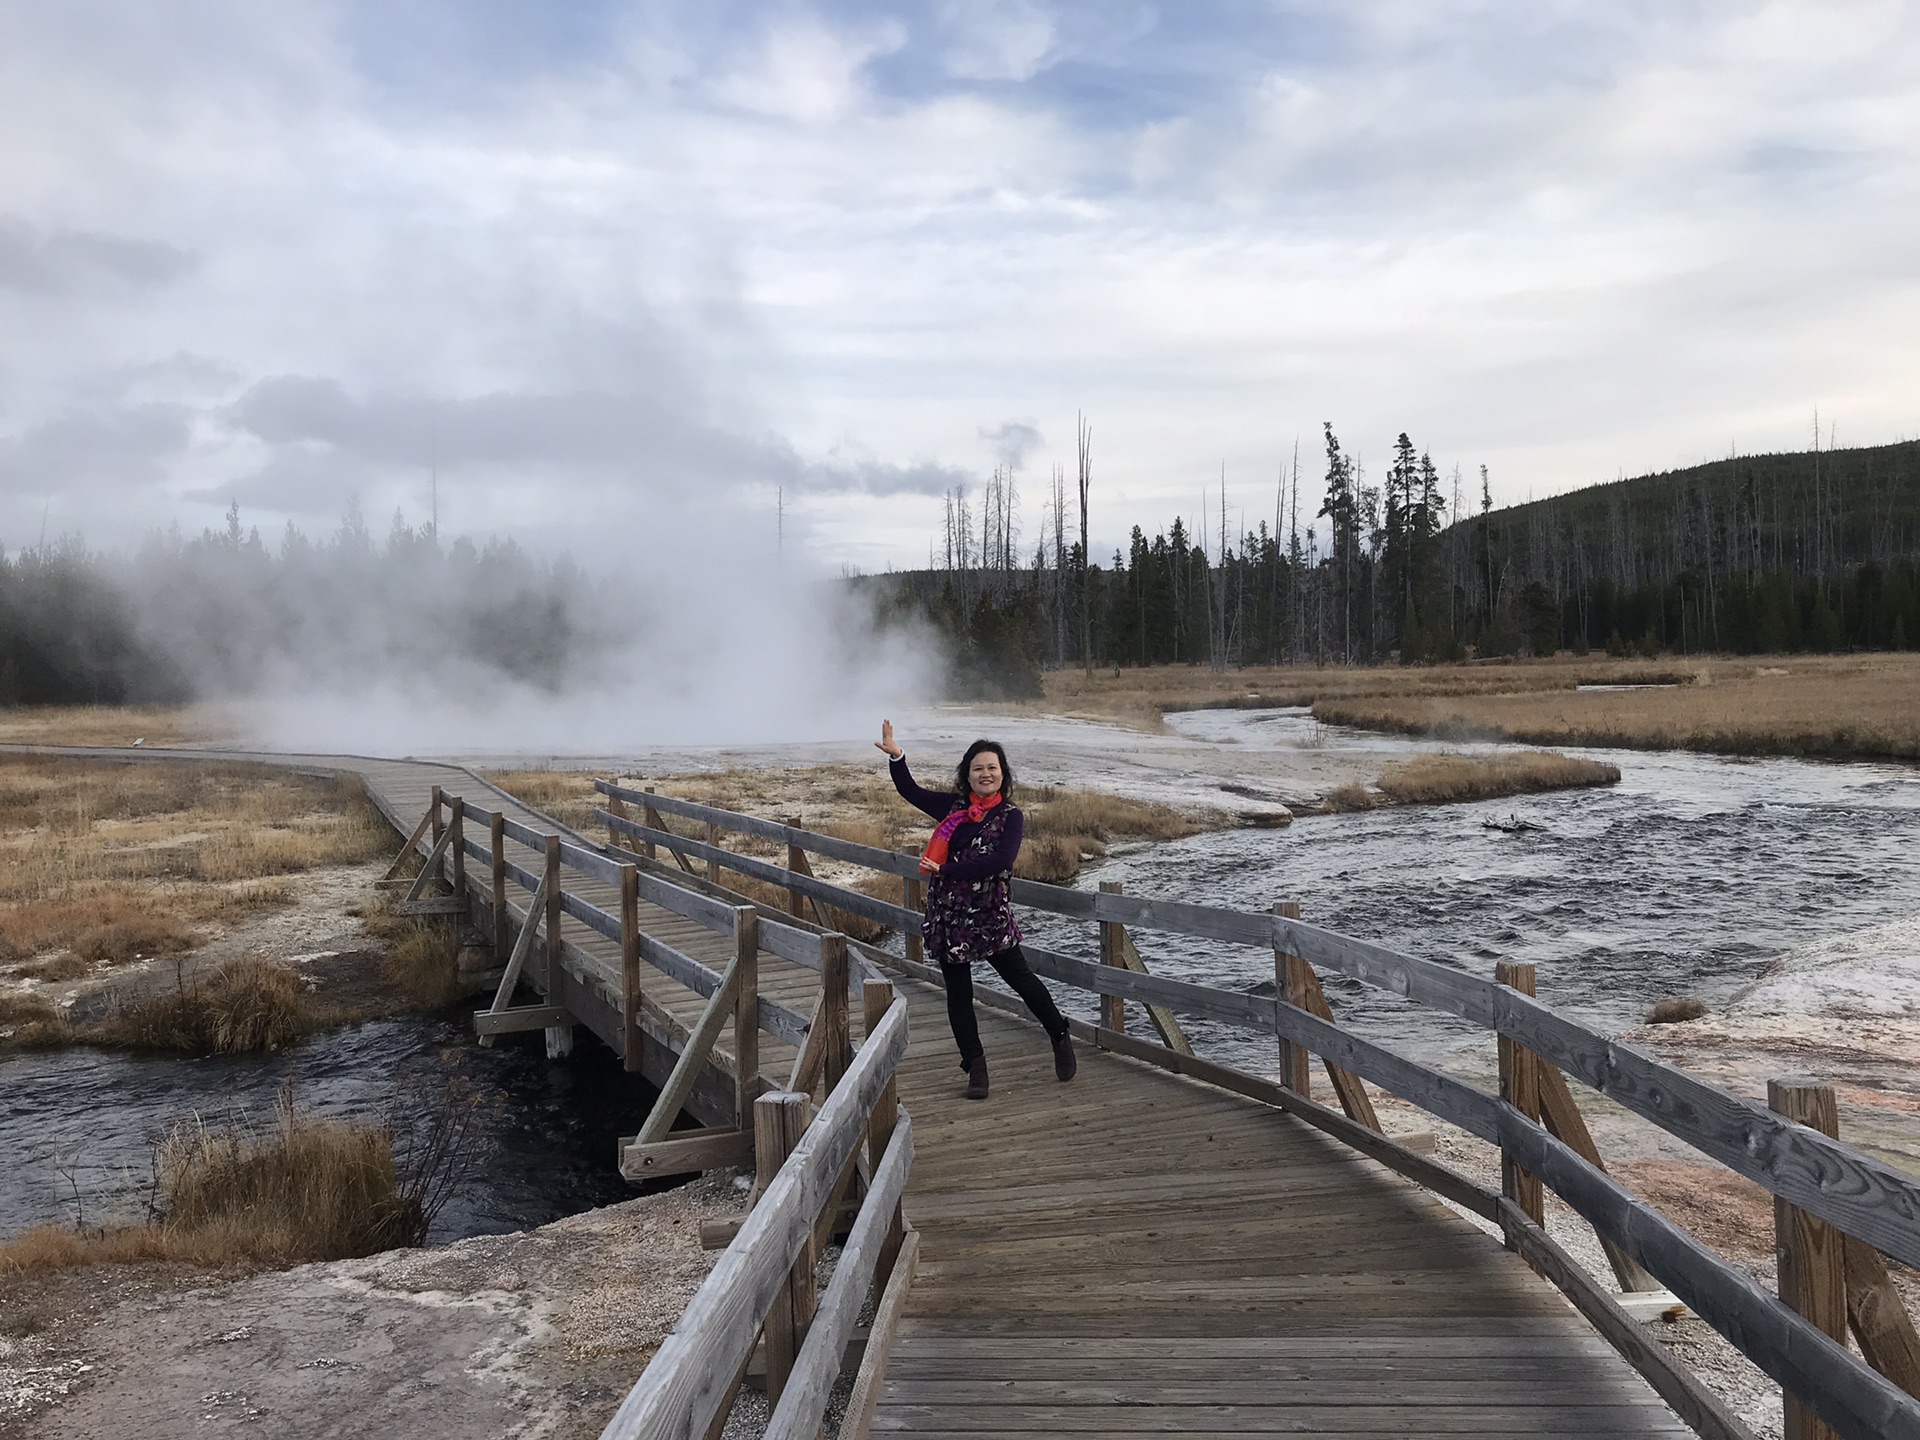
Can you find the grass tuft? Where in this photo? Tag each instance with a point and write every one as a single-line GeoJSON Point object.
{"type": "Point", "coordinates": [31, 1022]}
{"type": "Point", "coordinates": [243, 1006]}
{"type": "Point", "coordinates": [423, 964]}
{"type": "Point", "coordinates": [1442, 779]}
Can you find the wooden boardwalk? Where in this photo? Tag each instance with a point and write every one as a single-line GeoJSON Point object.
{"type": "Point", "coordinates": [1137, 1252]}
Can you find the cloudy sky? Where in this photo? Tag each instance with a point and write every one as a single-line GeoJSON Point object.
{"type": "Point", "coordinates": [608, 265]}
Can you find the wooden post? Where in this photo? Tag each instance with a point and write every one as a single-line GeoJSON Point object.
{"type": "Point", "coordinates": [650, 817]}
{"type": "Point", "coordinates": [630, 1038]}
{"type": "Point", "coordinates": [796, 865]}
{"type": "Point", "coordinates": [876, 998]}
{"type": "Point", "coordinates": [746, 1014]}
{"type": "Point", "coordinates": [1113, 940]}
{"type": "Point", "coordinates": [713, 839]}
{"type": "Point", "coordinates": [837, 1040]}
{"type": "Point", "coordinates": [1520, 1088]}
{"type": "Point", "coordinates": [457, 847]}
{"type": "Point", "coordinates": [614, 807]}
{"type": "Point", "coordinates": [778, 1122]}
{"type": "Point", "coordinates": [559, 1037]}
{"type": "Point", "coordinates": [1811, 1253]}
{"type": "Point", "coordinates": [497, 841]}
{"type": "Point", "coordinates": [1290, 985]}
{"type": "Point", "coordinates": [916, 901]}
{"type": "Point", "coordinates": [439, 826]}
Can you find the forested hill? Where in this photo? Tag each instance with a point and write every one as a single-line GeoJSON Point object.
{"type": "Point", "coordinates": [1754, 553]}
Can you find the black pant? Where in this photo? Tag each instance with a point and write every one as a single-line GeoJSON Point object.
{"type": "Point", "coordinates": [1013, 968]}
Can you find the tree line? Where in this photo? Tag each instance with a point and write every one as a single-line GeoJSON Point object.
{"type": "Point", "coordinates": [1816, 550]}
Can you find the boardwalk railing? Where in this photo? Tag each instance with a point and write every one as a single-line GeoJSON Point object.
{"type": "Point", "coordinates": [1837, 1209]}
{"type": "Point", "coordinates": [763, 1284]}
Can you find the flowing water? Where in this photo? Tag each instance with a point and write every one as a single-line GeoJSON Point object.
{"type": "Point", "coordinates": [78, 1126]}
{"type": "Point", "coordinates": [1685, 878]}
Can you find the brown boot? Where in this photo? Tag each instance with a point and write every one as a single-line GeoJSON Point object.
{"type": "Point", "coordinates": [977, 1079]}
{"type": "Point", "coordinates": [1064, 1062]}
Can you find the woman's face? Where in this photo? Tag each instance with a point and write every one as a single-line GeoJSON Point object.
{"type": "Point", "coordinates": [984, 773]}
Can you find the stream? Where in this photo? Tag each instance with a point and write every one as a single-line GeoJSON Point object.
{"type": "Point", "coordinates": [1686, 878]}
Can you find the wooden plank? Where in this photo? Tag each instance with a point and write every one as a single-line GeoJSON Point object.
{"type": "Point", "coordinates": [1295, 1061]}
{"type": "Point", "coordinates": [1672, 1381]}
{"type": "Point", "coordinates": [1520, 1088]}
{"type": "Point", "coordinates": [430, 870]}
{"type": "Point", "coordinates": [488, 1023]}
{"type": "Point", "coordinates": [858, 1420]}
{"type": "Point", "coordinates": [1113, 1010]}
{"type": "Point", "coordinates": [1812, 1254]}
{"type": "Point", "coordinates": [686, 1154]}
{"type": "Point", "coordinates": [406, 848]}
{"type": "Point", "coordinates": [1879, 1318]}
{"type": "Point", "coordinates": [1566, 1124]}
{"type": "Point", "coordinates": [777, 1122]}
{"type": "Point", "coordinates": [803, 1403]}
{"type": "Point", "coordinates": [1165, 1023]}
{"type": "Point", "coordinates": [1349, 1087]}
{"type": "Point", "coordinates": [876, 998]}
{"type": "Point", "coordinates": [517, 961]}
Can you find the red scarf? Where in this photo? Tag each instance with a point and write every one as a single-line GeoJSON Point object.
{"type": "Point", "coordinates": [976, 811]}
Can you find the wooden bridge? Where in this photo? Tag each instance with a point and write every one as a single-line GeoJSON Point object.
{"type": "Point", "coordinates": [1167, 1245]}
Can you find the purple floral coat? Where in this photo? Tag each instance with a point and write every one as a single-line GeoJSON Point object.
{"type": "Point", "coordinates": [969, 911]}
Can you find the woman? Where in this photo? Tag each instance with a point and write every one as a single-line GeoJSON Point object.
{"type": "Point", "coordinates": [968, 864]}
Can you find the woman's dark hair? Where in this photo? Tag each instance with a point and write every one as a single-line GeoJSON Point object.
{"type": "Point", "coordinates": [965, 786]}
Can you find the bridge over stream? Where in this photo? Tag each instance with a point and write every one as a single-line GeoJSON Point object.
{"type": "Point", "coordinates": [1166, 1245]}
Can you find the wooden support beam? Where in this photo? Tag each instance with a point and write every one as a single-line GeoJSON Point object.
{"type": "Point", "coordinates": [837, 1041]}
{"type": "Point", "coordinates": [686, 1153]}
{"type": "Point", "coordinates": [497, 855]}
{"type": "Point", "coordinates": [489, 1023]}
{"type": "Point", "coordinates": [746, 1016]}
{"type": "Point", "coordinates": [1296, 1060]}
{"type": "Point", "coordinates": [1880, 1321]}
{"type": "Point", "coordinates": [1164, 1020]}
{"type": "Point", "coordinates": [456, 846]}
{"type": "Point", "coordinates": [778, 1122]}
{"type": "Point", "coordinates": [914, 898]}
{"type": "Point", "coordinates": [1811, 1253]}
{"type": "Point", "coordinates": [1113, 939]}
{"type": "Point", "coordinates": [1520, 1088]}
{"type": "Point", "coordinates": [1567, 1125]}
{"type": "Point", "coordinates": [699, 1046]}
{"type": "Point", "coordinates": [1304, 981]}
{"type": "Point", "coordinates": [432, 866]}
{"type": "Point", "coordinates": [560, 1034]}
{"type": "Point", "coordinates": [518, 960]}
{"type": "Point", "coordinates": [393, 870]}
{"type": "Point", "coordinates": [631, 1038]}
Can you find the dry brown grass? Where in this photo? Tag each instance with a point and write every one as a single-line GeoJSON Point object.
{"type": "Point", "coordinates": [1839, 706]}
{"type": "Point", "coordinates": [104, 863]}
{"type": "Point", "coordinates": [308, 1189]}
{"type": "Point", "coordinates": [30, 1021]}
{"type": "Point", "coordinates": [1444, 779]}
{"type": "Point", "coordinates": [1675, 1010]}
{"type": "Point", "coordinates": [423, 964]}
{"type": "Point", "coordinates": [245, 1005]}
{"type": "Point", "coordinates": [1141, 697]}
{"type": "Point", "coordinates": [114, 725]}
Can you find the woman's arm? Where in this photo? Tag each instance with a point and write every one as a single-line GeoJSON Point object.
{"type": "Point", "coordinates": [1001, 857]}
{"type": "Point", "coordinates": [929, 802]}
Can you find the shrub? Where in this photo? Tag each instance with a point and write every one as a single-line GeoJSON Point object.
{"type": "Point", "coordinates": [244, 1005]}
{"type": "Point", "coordinates": [1673, 1009]}
{"type": "Point", "coordinates": [424, 965]}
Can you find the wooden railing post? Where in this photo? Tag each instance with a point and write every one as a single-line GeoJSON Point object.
{"type": "Point", "coordinates": [614, 807]}
{"type": "Point", "coordinates": [559, 1037]}
{"type": "Point", "coordinates": [1289, 984]}
{"type": "Point", "coordinates": [650, 817]}
{"type": "Point", "coordinates": [1113, 939]}
{"type": "Point", "coordinates": [457, 847]}
{"type": "Point", "coordinates": [497, 842]}
{"type": "Point", "coordinates": [433, 809]}
{"type": "Point", "coordinates": [713, 862]}
{"type": "Point", "coordinates": [796, 865]}
{"type": "Point", "coordinates": [915, 893]}
{"type": "Point", "coordinates": [837, 1041]}
{"type": "Point", "coordinates": [778, 1122]}
{"type": "Point", "coordinates": [746, 1014]}
{"type": "Point", "coordinates": [1811, 1253]}
{"type": "Point", "coordinates": [876, 998]}
{"type": "Point", "coordinates": [1520, 1088]}
{"type": "Point", "coordinates": [630, 1037]}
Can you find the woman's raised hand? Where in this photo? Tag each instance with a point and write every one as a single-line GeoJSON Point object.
{"type": "Point", "coordinates": [885, 742]}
